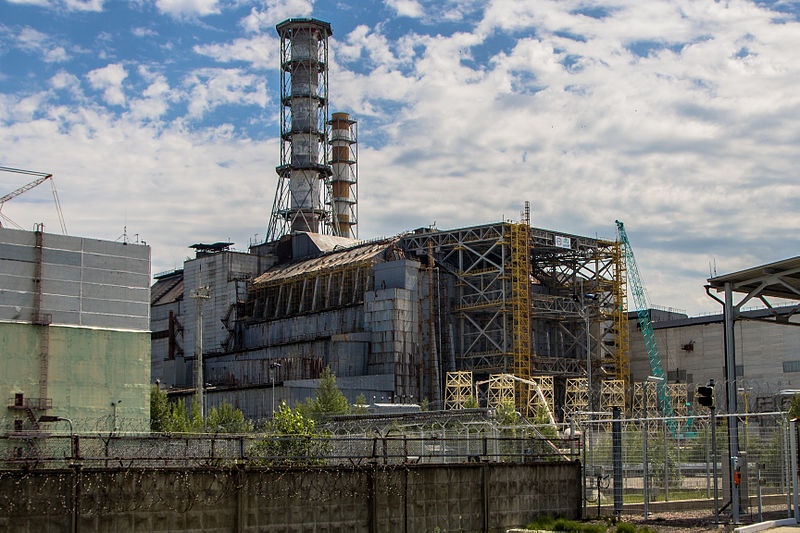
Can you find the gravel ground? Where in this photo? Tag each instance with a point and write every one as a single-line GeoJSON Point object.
{"type": "Point", "coordinates": [701, 520]}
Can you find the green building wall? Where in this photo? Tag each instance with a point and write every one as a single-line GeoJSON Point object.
{"type": "Point", "coordinates": [89, 369]}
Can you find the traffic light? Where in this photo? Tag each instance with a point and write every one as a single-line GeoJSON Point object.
{"type": "Point", "coordinates": [705, 396]}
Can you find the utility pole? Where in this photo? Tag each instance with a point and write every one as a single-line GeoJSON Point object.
{"type": "Point", "coordinates": [198, 295]}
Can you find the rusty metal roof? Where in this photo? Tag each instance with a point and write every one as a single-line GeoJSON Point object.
{"type": "Point", "coordinates": [372, 251]}
{"type": "Point", "coordinates": [167, 289]}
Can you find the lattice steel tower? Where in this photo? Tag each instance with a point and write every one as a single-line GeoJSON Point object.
{"type": "Point", "coordinates": [343, 191]}
{"type": "Point", "coordinates": [302, 194]}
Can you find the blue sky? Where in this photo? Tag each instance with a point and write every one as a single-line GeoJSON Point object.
{"type": "Point", "coordinates": [681, 118]}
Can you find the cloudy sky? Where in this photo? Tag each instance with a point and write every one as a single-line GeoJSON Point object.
{"type": "Point", "coordinates": [681, 118]}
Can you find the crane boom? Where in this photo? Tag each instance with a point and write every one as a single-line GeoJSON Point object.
{"type": "Point", "coordinates": [646, 325]}
{"type": "Point", "coordinates": [41, 178]}
{"type": "Point", "coordinates": [24, 188]}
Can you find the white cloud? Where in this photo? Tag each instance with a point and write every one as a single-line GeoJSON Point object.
{"type": "Point", "coordinates": [211, 87]}
{"type": "Point", "coordinates": [156, 98]}
{"type": "Point", "coordinates": [276, 11]}
{"type": "Point", "coordinates": [406, 8]}
{"type": "Point", "coordinates": [260, 51]}
{"type": "Point", "coordinates": [188, 8]}
{"type": "Point", "coordinates": [130, 169]}
{"type": "Point", "coordinates": [680, 117]}
{"type": "Point", "coordinates": [140, 31]}
{"type": "Point", "coordinates": [69, 5]}
{"type": "Point", "coordinates": [109, 80]}
{"type": "Point", "coordinates": [36, 42]}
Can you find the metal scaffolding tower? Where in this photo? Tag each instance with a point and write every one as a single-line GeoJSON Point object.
{"type": "Point", "coordinates": [485, 271]}
{"type": "Point", "coordinates": [343, 184]}
{"type": "Point", "coordinates": [458, 389]}
{"type": "Point", "coordinates": [302, 175]}
{"type": "Point", "coordinates": [520, 305]}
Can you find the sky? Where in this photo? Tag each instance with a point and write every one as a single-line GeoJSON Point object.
{"type": "Point", "coordinates": [160, 121]}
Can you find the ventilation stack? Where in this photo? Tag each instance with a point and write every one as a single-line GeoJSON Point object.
{"type": "Point", "coordinates": [298, 204]}
{"type": "Point", "coordinates": [343, 140]}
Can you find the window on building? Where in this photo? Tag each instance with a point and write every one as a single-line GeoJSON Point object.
{"type": "Point", "coordinates": [791, 366]}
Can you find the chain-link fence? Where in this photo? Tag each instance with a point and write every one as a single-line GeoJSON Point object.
{"type": "Point", "coordinates": [499, 445]}
{"type": "Point", "coordinates": [671, 459]}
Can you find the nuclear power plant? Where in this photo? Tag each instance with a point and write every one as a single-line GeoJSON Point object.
{"type": "Point", "coordinates": [395, 319]}
{"type": "Point", "coordinates": [498, 310]}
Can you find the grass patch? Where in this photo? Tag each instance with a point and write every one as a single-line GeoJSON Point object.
{"type": "Point", "coordinates": [624, 527]}
{"type": "Point", "coordinates": [541, 522]}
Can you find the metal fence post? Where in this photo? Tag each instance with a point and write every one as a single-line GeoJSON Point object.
{"type": "Point", "coordinates": [616, 450]}
{"type": "Point", "coordinates": [786, 468]}
{"type": "Point", "coordinates": [758, 486]}
{"type": "Point", "coordinates": [584, 429]}
{"type": "Point", "coordinates": [645, 477]}
{"type": "Point", "coordinates": [708, 464]}
{"type": "Point", "coordinates": [793, 452]}
{"type": "Point", "coordinates": [713, 417]}
{"type": "Point", "coordinates": [666, 461]}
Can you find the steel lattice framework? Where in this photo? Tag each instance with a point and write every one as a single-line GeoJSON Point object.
{"type": "Point", "coordinates": [571, 277]}
{"type": "Point", "coordinates": [303, 190]}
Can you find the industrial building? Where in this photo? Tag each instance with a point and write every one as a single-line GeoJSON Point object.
{"type": "Point", "coordinates": [74, 327]}
{"type": "Point", "coordinates": [765, 342]}
{"type": "Point", "coordinates": [391, 317]}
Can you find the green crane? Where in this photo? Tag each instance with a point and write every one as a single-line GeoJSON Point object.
{"type": "Point", "coordinates": [645, 324]}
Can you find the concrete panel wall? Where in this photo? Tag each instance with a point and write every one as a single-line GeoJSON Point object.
{"type": "Point", "coordinates": [85, 282]}
{"type": "Point", "coordinates": [761, 350]}
{"type": "Point", "coordinates": [88, 370]}
{"type": "Point", "coordinates": [462, 497]}
{"type": "Point", "coordinates": [224, 274]}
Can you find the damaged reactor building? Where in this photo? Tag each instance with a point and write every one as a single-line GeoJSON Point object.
{"type": "Point", "coordinates": [392, 318]}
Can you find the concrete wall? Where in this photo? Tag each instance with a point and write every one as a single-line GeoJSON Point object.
{"type": "Point", "coordinates": [88, 370]}
{"type": "Point", "coordinates": [464, 497]}
{"type": "Point", "coordinates": [224, 273]}
{"type": "Point", "coordinates": [85, 282]}
{"type": "Point", "coordinates": [761, 350]}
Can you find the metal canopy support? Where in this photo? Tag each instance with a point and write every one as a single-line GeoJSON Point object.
{"type": "Point", "coordinates": [778, 280]}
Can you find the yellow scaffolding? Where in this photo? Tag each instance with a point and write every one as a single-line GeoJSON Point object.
{"type": "Point", "coordinates": [612, 394]}
{"type": "Point", "coordinates": [679, 397]}
{"type": "Point", "coordinates": [458, 389]}
{"type": "Point", "coordinates": [501, 389]}
{"type": "Point", "coordinates": [546, 385]}
{"type": "Point", "coordinates": [519, 247]}
{"type": "Point", "coordinates": [577, 395]}
{"type": "Point", "coordinates": [645, 407]}
{"type": "Point", "coordinates": [620, 290]}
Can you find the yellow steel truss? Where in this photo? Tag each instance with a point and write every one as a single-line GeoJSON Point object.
{"type": "Point", "coordinates": [458, 389]}
{"type": "Point", "coordinates": [519, 242]}
{"type": "Point", "coordinates": [501, 389]}
{"type": "Point", "coordinates": [577, 396]}
{"type": "Point", "coordinates": [612, 394]}
{"type": "Point", "coordinates": [620, 289]}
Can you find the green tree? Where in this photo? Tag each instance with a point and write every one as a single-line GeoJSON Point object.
{"type": "Point", "coordinates": [328, 400]}
{"type": "Point", "coordinates": [506, 413]}
{"type": "Point", "coordinates": [159, 409]}
{"type": "Point", "coordinates": [471, 403]}
{"type": "Point", "coordinates": [794, 407]}
{"type": "Point", "coordinates": [174, 417]}
{"type": "Point", "coordinates": [226, 419]}
{"type": "Point", "coordinates": [360, 407]}
{"type": "Point", "coordinates": [292, 439]}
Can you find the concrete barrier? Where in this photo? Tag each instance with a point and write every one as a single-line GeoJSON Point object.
{"type": "Point", "coordinates": [370, 498]}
